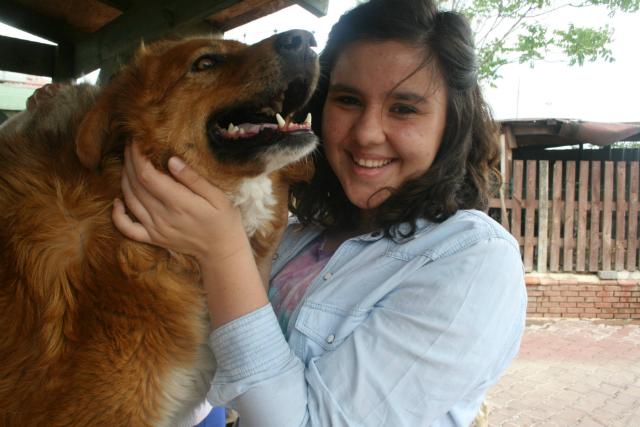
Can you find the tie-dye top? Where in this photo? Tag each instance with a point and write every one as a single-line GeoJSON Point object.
{"type": "Point", "coordinates": [289, 286]}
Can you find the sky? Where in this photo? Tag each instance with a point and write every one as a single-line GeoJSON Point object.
{"type": "Point", "coordinates": [601, 92]}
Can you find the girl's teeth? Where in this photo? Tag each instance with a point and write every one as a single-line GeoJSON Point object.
{"type": "Point", "coordinates": [370, 163]}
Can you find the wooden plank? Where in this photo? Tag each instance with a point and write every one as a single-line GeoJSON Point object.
{"type": "Point", "coordinates": [25, 19]}
{"type": "Point", "coordinates": [583, 204]}
{"type": "Point", "coordinates": [606, 215]}
{"type": "Point", "coordinates": [504, 217]}
{"type": "Point", "coordinates": [594, 241]}
{"type": "Point", "coordinates": [318, 7]}
{"type": "Point", "coordinates": [543, 216]}
{"type": "Point", "coordinates": [632, 239]}
{"type": "Point", "coordinates": [121, 5]}
{"type": "Point", "coordinates": [23, 56]}
{"type": "Point", "coordinates": [621, 211]}
{"type": "Point", "coordinates": [148, 20]}
{"type": "Point", "coordinates": [569, 209]}
{"type": "Point", "coordinates": [556, 225]}
{"type": "Point", "coordinates": [530, 214]}
{"type": "Point", "coordinates": [516, 212]}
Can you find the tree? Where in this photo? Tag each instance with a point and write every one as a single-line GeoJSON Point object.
{"type": "Point", "coordinates": [509, 31]}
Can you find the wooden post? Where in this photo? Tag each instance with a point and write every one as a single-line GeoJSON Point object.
{"type": "Point", "coordinates": [569, 203]}
{"type": "Point", "coordinates": [530, 216]}
{"type": "Point", "coordinates": [554, 264]}
{"type": "Point", "coordinates": [606, 215]}
{"type": "Point", "coordinates": [518, 205]}
{"type": "Point", "coordinates": [543, 216]}
{"type": "Point", "coordinates": [594, 244]}
{"type": "Point", "coordinates": [583, 203]}
{"type": "Point", "coordinates": [632, 239]}
{"type": "Point", "coordinates": [621, 209]}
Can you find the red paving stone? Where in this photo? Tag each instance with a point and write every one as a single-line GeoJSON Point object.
{"type": "Point", "coordinates": [571, 372]}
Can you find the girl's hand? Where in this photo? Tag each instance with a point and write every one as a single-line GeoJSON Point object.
{"type": "Point", "coordinates": [191, 216]}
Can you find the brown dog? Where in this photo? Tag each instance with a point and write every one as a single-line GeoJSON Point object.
{"type": "Point", "coordinates": [96, 329]}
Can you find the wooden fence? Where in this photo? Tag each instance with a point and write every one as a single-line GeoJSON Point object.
{"type": "Point", "coordinates": [597, 230]}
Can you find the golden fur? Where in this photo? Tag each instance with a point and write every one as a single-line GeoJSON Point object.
{"type": "Point", "coordinates": [97, 329]}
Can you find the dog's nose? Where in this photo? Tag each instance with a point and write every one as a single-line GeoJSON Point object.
{"type": "Point", "coordinates": [295, 42]}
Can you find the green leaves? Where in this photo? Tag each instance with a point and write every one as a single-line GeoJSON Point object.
{"type": "Point", "coordinates": [509, 31]}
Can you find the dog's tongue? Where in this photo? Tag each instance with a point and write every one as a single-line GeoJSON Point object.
{"type": "Point", "coordinates": [254, 128]}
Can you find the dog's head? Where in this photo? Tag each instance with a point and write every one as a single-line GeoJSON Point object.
{"type": "Point", "coordinates": [211, 102]}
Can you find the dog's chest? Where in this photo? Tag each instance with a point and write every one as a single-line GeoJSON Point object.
{"type": "Point", "coordinates": [254, 197]}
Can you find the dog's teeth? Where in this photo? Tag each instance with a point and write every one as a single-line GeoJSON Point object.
{"type": "Point", "coordinates": [281, 122]}
{"type": "Point", "coordinates": [242, 132]}
{"type": "Point", "coordinates": [230, 129]}
{"type": "Point", "coordinates": [235, 129]}
{"type": "Point", "coordinates": [308, 119]}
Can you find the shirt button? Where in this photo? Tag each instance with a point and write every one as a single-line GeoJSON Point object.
{"type": "Point", "coordinates": [327, 276]}
{"type": "Point", "coordinates": [330, 338]}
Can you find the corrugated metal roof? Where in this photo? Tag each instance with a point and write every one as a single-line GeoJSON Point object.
{"type": "Point", "coordinates": [561, 132]}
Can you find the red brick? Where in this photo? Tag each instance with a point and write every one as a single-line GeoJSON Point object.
{"type": "Point", "coordinates": [591, 310]}
{"type": "Point", "coordinates": [568, 281]}
{"type": "Point", "coordinates": [634, 304]}
{"type": "Point", "coordinates": [542, 310]}
{"type": "Point", "coordinates": [552, 304]}
{"type": "Point", "coordinates": [557, 310]}
{"type": "Point", "coordinates": [621, 316]}
{"type": "Point", "coordinates": [568, 304]}
{"type": "Point", "coordinates": [625, 299]}
{"type": "Point", "coordinates": [575, 310]}
{"type": "Point", "coordinates": [609, 310]}
{"type": "Point", "coordinates": [611, 299]}
{"type": "Point", "coordinates": [557, 294]}
{"type": "Point", "coordinates": [571, 314]}
{"type": "Point", "coordinates": [628, 282]}
{"type": "Point", "coordinates": [534, 293]}
{"type": "Point", "coordinates": [575, 299]}
{"type": "Point", "coordinates": [587, 294]}
{"type": "Point", "coordinates": [578, 288]}
{"type": "Point", "coordinates": [626, 310]}
{"type": "Point", "coordinates": [608, 282]}
{"type": "Point", "coordinates": [590, 299]}
{"type": "Point", "coordinates": [603, 304]}
{"type": "Point", "coordinates": [587, 315]}
{"type": "Point", "coordinates": [550, 315]}
{"type": "Point", "coordinates": [635, 294]}
{"type": "Point", "coordinates": [561, 299]}
{"type": "Point", "coordinates": [629, 288]}
{"type": "Point", "coordinates": [612, 288]}
{"type": "Point", "coordinates": [569, 294]}
{"type": "Point", "coordinates": [586, 304]}
{"type": "Point", "coordinates": [604, 294]}
{"type": "Point", "coordinates": [531, 310]}
{"type": "Point", "coordinates": [547, 281]}
{"type": "Point", "coordinates": [604, 316]}
{"type": "Point", "coordinates": [620, 305]}
{"type": "Point", "coordinates": [531, 280]}
{"type": "Point", "coordinates": [622, 294]}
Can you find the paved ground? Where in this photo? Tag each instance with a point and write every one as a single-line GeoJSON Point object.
{"type": "Point", "coordinates": [571, 372]}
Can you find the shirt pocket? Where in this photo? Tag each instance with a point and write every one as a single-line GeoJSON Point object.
{"type": "Point", "coordinates": [327, 326]}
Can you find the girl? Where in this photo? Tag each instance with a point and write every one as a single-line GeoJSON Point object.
{"type": "Point", "coordinates": [392, 299]}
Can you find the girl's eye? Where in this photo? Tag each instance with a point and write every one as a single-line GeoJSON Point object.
{"type": "Point", "coordinates": [403, 109]}
{"type": "Point", "coordinates": [348, 100]}
{"type": "Point", "coordinates": [204, 63]}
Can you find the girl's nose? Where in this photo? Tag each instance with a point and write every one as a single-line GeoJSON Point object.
{"type": "Point", "coordinates": [369, 128]}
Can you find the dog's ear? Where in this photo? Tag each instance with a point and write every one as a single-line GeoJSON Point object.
{"type": "Point", "coordinates": [94, 134]}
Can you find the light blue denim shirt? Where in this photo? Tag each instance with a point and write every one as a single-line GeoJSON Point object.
{"type": "Point", "coordinates": [393, 332]}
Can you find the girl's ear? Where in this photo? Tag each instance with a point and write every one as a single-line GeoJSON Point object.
{"type": "Point", "coordinates": [95, 134]}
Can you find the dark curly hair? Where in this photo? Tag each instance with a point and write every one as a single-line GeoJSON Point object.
{"type": "Point", "coordinates": [465, 170]}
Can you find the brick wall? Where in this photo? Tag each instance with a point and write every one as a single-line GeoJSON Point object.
{"type": "Point", "coordinates": [582, 296]}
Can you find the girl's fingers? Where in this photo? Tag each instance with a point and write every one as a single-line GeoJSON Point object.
{"type": "Point", "coordinates": [133, 203]}
{"type": "Point", "coordinates": [132, 230]}
{"type": "Point", "coordinates": [198, 185]}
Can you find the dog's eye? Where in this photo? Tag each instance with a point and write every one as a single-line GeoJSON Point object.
{"type": "Point", "coordinates": [205, 63]}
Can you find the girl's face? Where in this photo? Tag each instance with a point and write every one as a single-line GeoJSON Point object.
{"type": "Point", "coordinates": [376, 136]}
